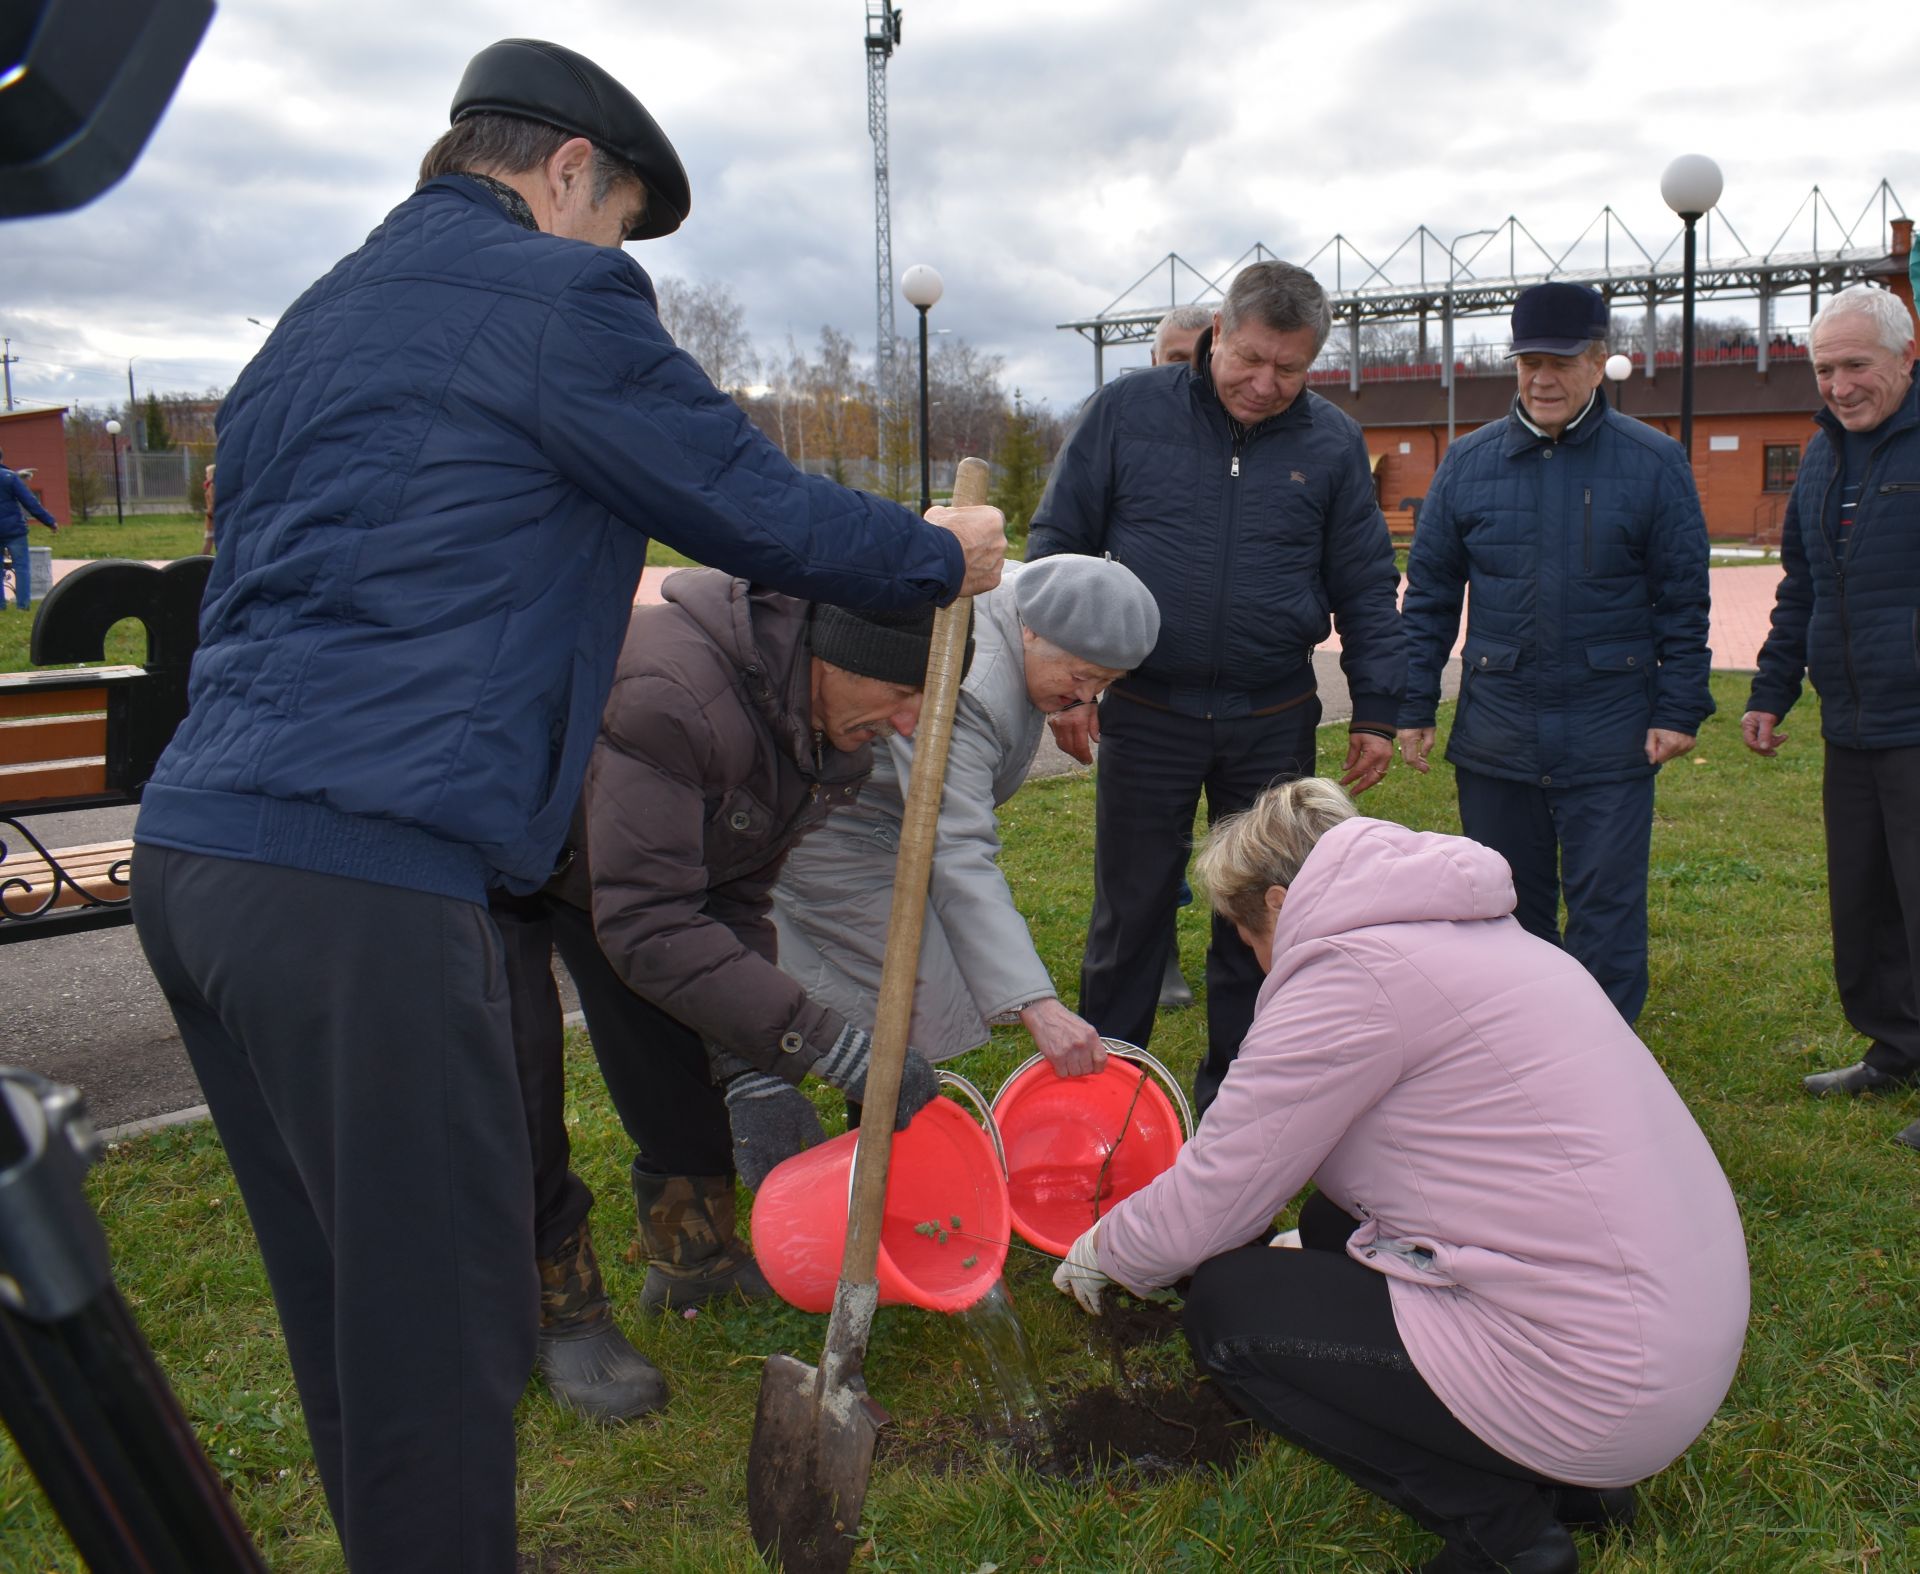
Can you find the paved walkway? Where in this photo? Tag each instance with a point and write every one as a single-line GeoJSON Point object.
{"type": "Point", "coordinates": [1742, 604]}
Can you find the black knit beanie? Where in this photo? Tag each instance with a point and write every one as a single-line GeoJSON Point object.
{"type": "Point", "coordinates": [890, 646]}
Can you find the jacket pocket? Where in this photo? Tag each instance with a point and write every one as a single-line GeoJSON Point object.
{"type": "Point", "coordinates": [1633, 656]}
{"type": "Point", "coordinates": [740, 835]}
{"type": "Point", "coordinates": [1487, 655]}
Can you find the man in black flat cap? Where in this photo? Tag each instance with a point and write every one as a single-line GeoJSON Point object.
{"type": "Point", "coordinates": [1585, 664]}
{"type": "Point", "coordinates": [438, 478]}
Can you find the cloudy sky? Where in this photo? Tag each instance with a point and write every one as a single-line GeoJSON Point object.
{"type": "Point", "coordinates": [1044, 152]}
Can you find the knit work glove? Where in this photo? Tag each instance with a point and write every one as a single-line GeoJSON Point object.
{"type": "Point", "coordinates": [1080, 1275]}
{"type": "Point", "coordinates": [772, 1120]}
{"type": "Point", "coordinates": [845, 1066]}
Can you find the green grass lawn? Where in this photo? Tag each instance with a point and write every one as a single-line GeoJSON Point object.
{"type": "Point", "coordinates": [1810, 1465]}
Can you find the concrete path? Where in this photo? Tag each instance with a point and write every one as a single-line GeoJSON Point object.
{"type": "Point", "coordinates": [84, 1009]}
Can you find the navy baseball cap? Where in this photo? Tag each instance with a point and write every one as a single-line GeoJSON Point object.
{"type": "Point", "coordinates": [544, 82]}
{"type": "Point", "coordinates": [1558, 319]}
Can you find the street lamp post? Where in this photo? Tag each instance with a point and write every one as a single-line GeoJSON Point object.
{"type": "Point", "coordinates": [1453, 273]}
{"type": "Point", "coordinates": [113, 433]}
{"type": "Point", "coordinates": [1691, 186]}
{"type": "Point", "coordinates": [1619, 369]}
{"type": "Point", "coordinates": [922, 287]}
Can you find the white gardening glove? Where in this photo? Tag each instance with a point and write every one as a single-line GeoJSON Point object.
{"type": "Point", "coordinates": [1080, 1276]}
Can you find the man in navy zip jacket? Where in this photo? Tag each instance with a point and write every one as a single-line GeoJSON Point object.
{"type": "Point", "coordinates": [437, 482]}
{"type": "Point", "coordinates": [1247, 506]}
{"type": "Point", "coordinates": [1847, 615]}
{"type": "Point", "coordinates": [1585, 664]}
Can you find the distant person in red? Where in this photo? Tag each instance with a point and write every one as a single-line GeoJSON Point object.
{"type": "Point", "coordinates": [16, 495]}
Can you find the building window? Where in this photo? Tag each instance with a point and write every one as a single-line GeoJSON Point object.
{"type": "Point", "coordinates": [1783, 465]}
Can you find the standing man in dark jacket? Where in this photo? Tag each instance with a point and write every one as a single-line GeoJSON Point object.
{"type": "Point", "coordinates": [1246, 504]}
{"type": "Point", "coordinates": [1579, 532]}
{"type": "Point", "coordinates": [16, 495]}
{"type": "Point", "coordinates": [1847, 615]}
{"type": "Point", "coordinates": [437, 481]}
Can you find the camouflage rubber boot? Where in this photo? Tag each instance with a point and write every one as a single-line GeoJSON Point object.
{"type": "Point", "coordinates": [586, 1361]}
{"type": "Point", "coordinates": [686, 1230]}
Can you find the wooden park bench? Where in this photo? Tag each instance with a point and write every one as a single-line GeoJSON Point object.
{"type": "Point", "coordinates": [76, 738]}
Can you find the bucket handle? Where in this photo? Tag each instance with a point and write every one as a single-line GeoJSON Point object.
{"type": "Point", "coordinates": [960, 1085]}
{"type": "Point", "coordinates": [1133, 1052]}
{"type": "Point", "coordinates": [1126, 1051]}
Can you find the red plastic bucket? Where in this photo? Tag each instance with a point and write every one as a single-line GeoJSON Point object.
{"type": "Point", "coordinates": [944, 1237]}
{"type": "Point", "coordinates": [1077, 1145]}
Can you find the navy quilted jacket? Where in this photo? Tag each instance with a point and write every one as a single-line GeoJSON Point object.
{"type": "Point", "coordinates": [1850, 619]}
{"type": "Point", "coordinates": [1251, 541]}
{"type": "Point", "coordinates": [1587, 626]}
{"type": "Point", "coordinates": [437, 481]}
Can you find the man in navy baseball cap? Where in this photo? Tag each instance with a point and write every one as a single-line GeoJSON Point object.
{"type": "Point", "coordinates": [1559, 319]}
{"type": "Point", "coordinates": [1574, 537]}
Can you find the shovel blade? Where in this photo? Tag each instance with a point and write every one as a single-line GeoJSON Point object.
{"type": "Point", "coordinates": [808, 1465]}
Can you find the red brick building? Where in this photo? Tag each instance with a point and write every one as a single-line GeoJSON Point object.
{"type": "Point", "coordinates": [36, 440]}
{"type": "Point", "coordinates": [1748, 429]}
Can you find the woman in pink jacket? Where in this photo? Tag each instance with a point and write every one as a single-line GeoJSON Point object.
{"type": "Point", "coordinates": [1524, 1286]}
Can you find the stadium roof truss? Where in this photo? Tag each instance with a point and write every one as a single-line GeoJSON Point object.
{"type": "Point", "coordinates": [1426, 277]}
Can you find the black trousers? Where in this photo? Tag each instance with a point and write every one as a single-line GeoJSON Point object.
{"type": "Point", "coordinates": [1304, 1342]}
{"type": "Point", "coordinates": [1154, 766]}
{"type": "Point", "coordinates": [655, 1066]}
{"type": "Point", "coordinates": [355, 1046]}
{"type": "Point", "coordinates": [1871, 800]}
{"type": "Point", "coordinates": [1593, 842]}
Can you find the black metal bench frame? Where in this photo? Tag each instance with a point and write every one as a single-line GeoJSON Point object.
{"type": "Point", "coordinates": [143, 706]}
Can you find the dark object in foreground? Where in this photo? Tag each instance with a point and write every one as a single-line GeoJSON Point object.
{"type": "Point", "coordinates": [80, 1391]}
{"type": "Point", "coordinates": [82, 85]}
{"type": "Point", "coordinates": [814, 1428]}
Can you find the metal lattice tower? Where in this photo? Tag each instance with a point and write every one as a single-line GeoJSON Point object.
{"type": "Point", "coordinates": [883, 32]}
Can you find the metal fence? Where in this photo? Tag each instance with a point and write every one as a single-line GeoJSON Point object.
{"type": "Point", "coordinates": [168, 481]}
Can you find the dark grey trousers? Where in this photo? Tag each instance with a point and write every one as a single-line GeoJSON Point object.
{"type": "Point", "coordinates": [1154, 766]}
{"type": "Point", "coordinates": [1872, 808]}
{"type": "Point", "coordinates": [354, 1044]}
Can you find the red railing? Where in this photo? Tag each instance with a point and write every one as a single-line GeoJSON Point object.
{"type": "Point", "coordinates": [1495, 365]}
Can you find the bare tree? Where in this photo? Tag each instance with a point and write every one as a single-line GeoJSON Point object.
{"type": "Point", "coordinates": [971, 401]}
{"type": "Point", "coordinates": [89, 462]}
{"type": "Point", "coordinates": [710, 325]}
{"type": "Point", "coordinates": [840, 401]}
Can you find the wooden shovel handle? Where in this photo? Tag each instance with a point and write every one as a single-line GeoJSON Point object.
{"type": "Point", "coordinates": [874, 1151]}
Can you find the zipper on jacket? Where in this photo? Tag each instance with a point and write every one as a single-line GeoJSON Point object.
{"type": "Point", "coordinates": [1900, 486]}
{"type": "Point", "coordinates": [1589, 536]}
{"type": "Point", "coordinates": [1225, 566]}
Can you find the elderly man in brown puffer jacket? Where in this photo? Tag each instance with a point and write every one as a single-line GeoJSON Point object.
{"type": "Point", "coordinates": [738, 719]}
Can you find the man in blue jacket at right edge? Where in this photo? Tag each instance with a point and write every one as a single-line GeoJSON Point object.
{"type": "Point", "coordinates": [437, 481]}
{"type": "Point", "coordinates": [1246, 503]}
{"type": "Point", "coordinates": [1847, 617]}
{"type": "Point", "coordinates": [1585, 664]}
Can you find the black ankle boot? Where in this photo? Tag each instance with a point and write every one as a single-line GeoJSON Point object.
{"type": "Point", "coordinates": [1553, 1553]}
{"type": "Point", "coordinates": [1595, 1508]}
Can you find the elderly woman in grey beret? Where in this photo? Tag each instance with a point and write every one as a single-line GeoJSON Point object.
{"type": "Point", "coordinates": [1053, 635]}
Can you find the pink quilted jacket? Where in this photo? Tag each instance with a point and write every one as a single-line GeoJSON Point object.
{"type": "Point", "coordinates": [1565, 1257]}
